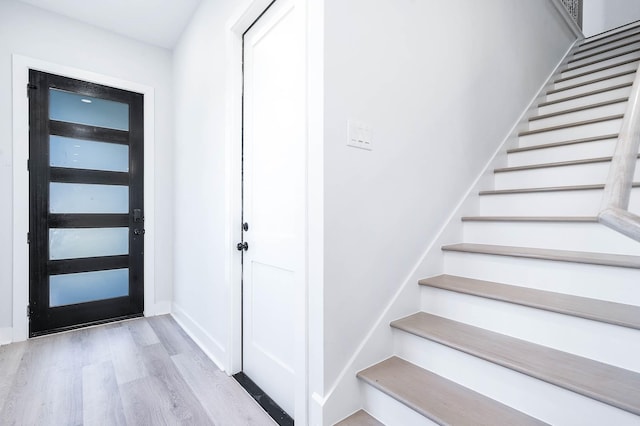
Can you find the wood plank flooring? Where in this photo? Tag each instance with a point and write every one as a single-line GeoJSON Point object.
{"type": "Point", "coordinates": [145, 371]}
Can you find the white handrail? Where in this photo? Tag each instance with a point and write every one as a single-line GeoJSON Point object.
{"type": "Point", "coordinates": [615, 202]}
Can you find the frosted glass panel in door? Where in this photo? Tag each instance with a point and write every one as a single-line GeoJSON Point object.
{"type": "Point", "coordinates": [69, 289]}
{"type": "Point", "coordinates": [91, 155]}
{"type": "Point", "coordinates": [87, 198]}
{"type": "Point", "coordinates": [80, 109]}
{"type": "Point", "coordinates": [87, 242]}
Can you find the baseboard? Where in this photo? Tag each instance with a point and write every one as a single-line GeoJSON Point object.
{"type": "Point", "coordinates": [6, 335]}
{"type": "Point", "coordinates": [161, 308]}
{"type": "Point", "coordinates": [210, 346]}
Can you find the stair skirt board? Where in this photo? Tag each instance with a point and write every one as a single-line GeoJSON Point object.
{"type": "Point", "coordinates": [536, 318]}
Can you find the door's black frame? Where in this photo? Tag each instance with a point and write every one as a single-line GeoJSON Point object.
{"type": "Point", "coordinates": [42, 318]}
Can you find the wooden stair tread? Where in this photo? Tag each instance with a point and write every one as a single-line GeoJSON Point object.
{"type": "Point", "coordinates": [563, 143]}
{"type": "Point", "coordinates": [614, 40]}
{"type": "Point", "coordinates": [550, 165]}
{"type": "Point", "coordinates": [608, 67]}
{"type": "Point", "coordinates": [556, 164]}
{"type": "Point", "coordinates": [437, 398]}
{"type": "Point", "coordinates": [609, 49]}
{"type": "Point", "coordinates": [359, 418]}
{"type": "Point", "coordinates": [617, 55]}
{"type": "Point", "coordinates": [561, 219]}
{"type": "Point", "coordinates": [570, 125]}
{"type": "Point", "coordinates": [612, 385]}
{"type": "Point", "coordinates": [592, 309]}
{"type": "Point", "coordinates": [603, 259]}
{"type": "Point", "coordinates": [579, 109]}
{"type": "Point", "coordinates": [548, 189]}
{"type": "Point", "coordinates": [560, 80]}
{"type": "Point", "coordinates": [586, 83]}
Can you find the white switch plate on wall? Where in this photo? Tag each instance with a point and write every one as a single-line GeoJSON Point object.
{"type": "Point", "coordinates": [359, 135]}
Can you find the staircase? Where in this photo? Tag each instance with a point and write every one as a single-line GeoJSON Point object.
{"type": "Point", "coordinates": [537, 317]}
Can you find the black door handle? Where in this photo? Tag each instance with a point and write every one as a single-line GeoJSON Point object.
{"type": "Point", "coordinates": [243, 246]}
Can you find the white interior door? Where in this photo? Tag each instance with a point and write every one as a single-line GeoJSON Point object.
{"type": "Point", "coordinates": [274, 157]}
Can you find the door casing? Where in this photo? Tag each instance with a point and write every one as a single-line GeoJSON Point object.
{"type": "Point", "coordinates": [21, 65]}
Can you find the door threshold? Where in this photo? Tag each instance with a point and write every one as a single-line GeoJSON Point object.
{"type": "Point", "coordinates": [267, 404]}
{"type": "Point", "coordinates": [85, 325]}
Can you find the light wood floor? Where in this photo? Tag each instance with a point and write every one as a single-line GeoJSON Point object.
{"type": "Point", "coordinates": [145, 371]}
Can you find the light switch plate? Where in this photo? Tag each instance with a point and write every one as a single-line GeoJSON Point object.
{"type": "Point", "coordinates": [359, 135]}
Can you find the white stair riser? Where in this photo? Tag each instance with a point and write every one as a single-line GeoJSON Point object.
{"type": "Point", "coordinates": [583, 115]}
{"type": "Point", "coordinates": [593, 237]}
{"type": "Point", "coordinates": [633, 66]}
{"type": "Point", "coordinates": [578, 151]}
{"type": "Point", "coordinates": [605, 54]}
{"type": "Point", "coordinates": [586, 280]}
{"type": "Point", "coordinates": [389, 411]}
{"type": "Point", "coordinates": [590, 87]}
{"type": "Point", "coordinates": [558, 203]}
{"type": "Point", "coordinates": [573, 71]}
{"type": "Point", "coordinates": [606, 37]}
{"type": "Point", "coordinates": [570, 133]}
{"type": "Point", "coordinates": [609, 95]}
{"type": "Point", "coordinates": [615, 345]}
{"type": "Point", "coordinates": [581, 174]}
{"type": "Point", "coordinates": [549, 403]}
{"type": "Point", "coordinates": [580, 54]}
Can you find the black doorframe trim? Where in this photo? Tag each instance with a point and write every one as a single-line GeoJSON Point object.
{"type": "Point", "coordinates": [40, 174]}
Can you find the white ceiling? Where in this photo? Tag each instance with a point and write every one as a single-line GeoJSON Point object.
{"type": "Point", "coordinates": [158, 22]}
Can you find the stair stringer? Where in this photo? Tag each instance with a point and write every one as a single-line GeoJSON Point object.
{"type": "Point", "coordinates": [344, 396]}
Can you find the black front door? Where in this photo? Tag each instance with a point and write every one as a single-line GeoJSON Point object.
{"type": "Point", "coordinates": [86, 224]}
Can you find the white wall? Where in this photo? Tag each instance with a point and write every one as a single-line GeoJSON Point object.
{"type": "Point", "coordinates": [202, 281]}
{"type": "Point", "coordinates": [32, 32]}
{"type": "Point", "coordinates": [441, 83]}
{"type": "Point", "coordinates": [603, 15]}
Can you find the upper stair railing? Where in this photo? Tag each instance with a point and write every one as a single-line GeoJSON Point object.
{"type": "Point", "coordinates": [574, 7]}
{"type": "Point", "coordinates": [617, 192]}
